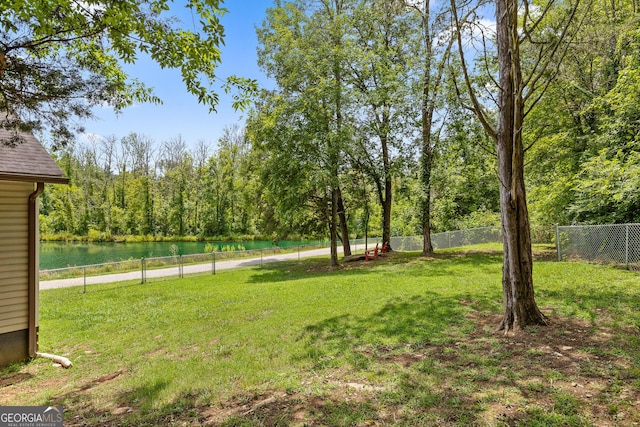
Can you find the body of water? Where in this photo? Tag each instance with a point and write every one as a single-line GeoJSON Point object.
{"type": "Point", "coordinates": [69, 254]}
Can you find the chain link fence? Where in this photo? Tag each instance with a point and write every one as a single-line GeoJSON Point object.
{"type": "Point", "coordinates": [154, 268]}
{"type": "Point", "coordinates": [472, 236]}
{"type": "Point", "coordinates": [178, 265]}
{"type": "Point", "coordinates": [450, 239]}
{"type": "Point", "coordinates": [619, 244]}
{"type": "Point", "coordinates": [609, 244]}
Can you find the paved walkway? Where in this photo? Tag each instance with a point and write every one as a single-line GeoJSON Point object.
{"type": "Point", "coordinates": [174, 271]}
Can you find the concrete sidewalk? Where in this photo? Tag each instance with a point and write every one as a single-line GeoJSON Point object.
{"type": "Point", "coordinates": [174, 271]}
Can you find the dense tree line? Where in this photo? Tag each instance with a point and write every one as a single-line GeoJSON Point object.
{"type": "Point", "coordinates": [134, 186]}
{"type": "Point", "coordinates": [585, 166]}
{"type": "Point", "coordinates": [361, 134]}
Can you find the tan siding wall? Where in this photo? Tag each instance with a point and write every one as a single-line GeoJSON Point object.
{"type": "Point", "coordinates": [14, 255]}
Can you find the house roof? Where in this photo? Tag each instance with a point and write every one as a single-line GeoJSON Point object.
{"type": "Point", "coordinates": [28, 161]}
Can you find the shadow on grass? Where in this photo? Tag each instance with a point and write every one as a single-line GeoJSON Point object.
{"type": "Point", "coordinates": [452, 263]}
{"type": "Point", "coordinates": [417, 321]}
{"type": "Point", "coordinates": [438, 265]}
{"type": "Point", "coordinates": [624, 303]}
{"type": "Point", "coordinates": [443, 364]}
{"type": "Point", "coordinates": [447, 368]}
{"type": "Point", "coordinates": [285, 271]}
{"type": "Point", "coordinates": [133, 407]}
{"type": "Point", "coordinates": [248, 411]}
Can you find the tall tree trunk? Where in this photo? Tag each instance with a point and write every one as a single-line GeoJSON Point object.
{"type": "Point", "coordinates": [344, 228]}
{"type": "Point", "coordinates": [334, 10]}
{"type": "Point", "coordinates": [427, 162]}
{"type": "Point", "coordinates": [122, 195]}
{"type": "Point", "coordinates": [388, 192]}
{"type": "Point", "coordinates": [520, 308]}
{"type": "Point", "coordinates": [427, 121]}
{"type": "Point", "coordinates": [148, 207]}
{"type": "Point", "coordinates": [386, 213]}
{"type": "Point", "coordinates": [333, 228]}
{"type": "Point", "coordinates": [427, 245]}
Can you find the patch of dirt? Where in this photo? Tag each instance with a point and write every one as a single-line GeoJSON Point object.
{"type": "Point", "coordinates": [407, 359]}
{"type": "Point", "coordinates": [15, 378]}
{"type": "Point", "coordinates": [267, 405]}
{"type": "Point", "coordinates": [569, 359]}
{"type": "Point", "coordinates": [14, 385]}
{"type": "Point", "coordinates": [13, 390]}
{"type": "Point", "coordinates": [101, 379]}
{"type": "Point", "coordinates": [570, 368]}
{"type": "Point", "coordinates": [296, 409]}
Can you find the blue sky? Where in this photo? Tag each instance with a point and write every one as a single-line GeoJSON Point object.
{"type": "Point", "coordinates": [181, 115]}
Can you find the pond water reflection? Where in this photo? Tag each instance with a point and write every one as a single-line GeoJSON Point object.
{"type": "Point", "coordinates": [65, 254]}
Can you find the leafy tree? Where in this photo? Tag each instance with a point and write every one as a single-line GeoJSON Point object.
{"type": "Point", "coordinates": [433, 52]}
{"type": "Point", "coordinates": [200, 156]}
{"type": "Point", "coordinates": [292, 169]}
{"type": "Point", "coordinates": [303, 48]}
{"type": "Point", "coordinates": [220, 187]}
{"type": "Point", "coordinates": [382, 30]}
{"type": "Point", "coordinates": [466, 193]}
{"type": "Point", "coordinates": [540, 33]}
{"type": "Point", "coordinates": [606, 186]}
{"type": "Point", "coordinates": [60, 58]}
{"type": "Point", "coordinates": [571, 124]}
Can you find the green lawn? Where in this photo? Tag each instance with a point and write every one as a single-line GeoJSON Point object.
{"type": "Point", "coordinates": [404, 340]}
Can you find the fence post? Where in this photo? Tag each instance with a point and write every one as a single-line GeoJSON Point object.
{"type": "Point", "coordinates": [558, 242]}
{"type": "Point", "coordinates": [626, 245]}
{"type": "Point", "coordinates": [298, 253]}
{"type": "Point", "coordinates": [261, 251]}
{"type": "Point", "coordinates": [213, 269]}
{"type": "Point", "coordinates": [84, 274]}
{"type": "Point", "coordinates": [142, 263]}
{"type": "Point", "coordinates": [180, 269]}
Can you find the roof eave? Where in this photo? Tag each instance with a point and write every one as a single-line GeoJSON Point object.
{"type": "Point", "coordinates": [34, 178]}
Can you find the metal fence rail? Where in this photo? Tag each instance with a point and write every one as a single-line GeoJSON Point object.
{"type": "Point", "coordinates": [472, 236]}
{"type": "Point", "coordinates": [179, 265]}
{"type": "Point", "coordinates": [146, 269]}
{"type": "Point", "coordinates": [616, 243]}
{"type": "Point", "coordinates": [450, 239]}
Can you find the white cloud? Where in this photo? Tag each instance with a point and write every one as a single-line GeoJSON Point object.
{"type": "Point", "coordinates": [90, 138]}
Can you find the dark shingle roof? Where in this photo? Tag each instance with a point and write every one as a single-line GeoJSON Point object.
{"type": "Point", "coordinates": [27, 161]}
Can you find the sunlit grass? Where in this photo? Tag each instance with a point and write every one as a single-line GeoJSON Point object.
{"type": "Point", "coordinates": [295, 327]}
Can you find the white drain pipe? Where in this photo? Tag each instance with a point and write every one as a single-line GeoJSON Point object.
{"type": "Point", "coordinates": [66, 363]}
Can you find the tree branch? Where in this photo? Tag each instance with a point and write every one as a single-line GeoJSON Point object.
{"type": "Point", "coordinates": [477, 107]}
{"type": "Point", "coordinates": [536, 74]}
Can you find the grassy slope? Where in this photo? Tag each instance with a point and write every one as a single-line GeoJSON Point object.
{"type": "Point", "coordinates": [405, 328]}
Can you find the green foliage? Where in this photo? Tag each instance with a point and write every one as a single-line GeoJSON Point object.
{"type": "Point", "coordinates": [60, 58]}
{"type": "Point", "coordinates": [126, 193]}
{"type": "Point", "coordinates": [300, 128]}
{"type": "Point", "coordinates": [608, 189]}
{"type": "Point", "coordinates": [584, 165]}
{"type": "Point", "coordinates": [342, 114]}
{"type": "Point", "coordinates": [464, 178]}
